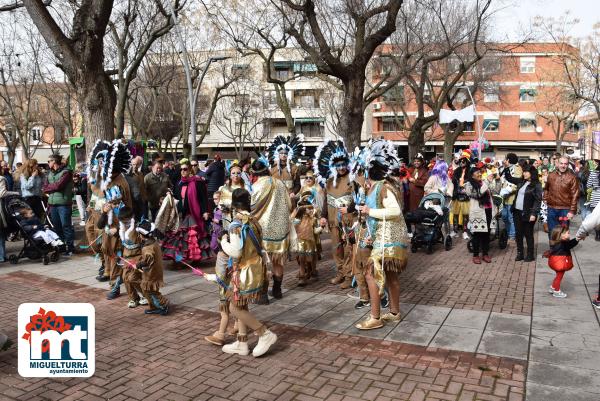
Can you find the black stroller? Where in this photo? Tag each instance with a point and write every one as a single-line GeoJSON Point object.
{"type": "Point", "coordinates": [33, 248]}
{"type": "Point", "coordinates": [430, 226]}
{"type": "Point", "coordinates": [500, 233]}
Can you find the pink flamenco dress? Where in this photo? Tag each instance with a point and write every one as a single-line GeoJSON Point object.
{"type": "Point", "coordinates": [191, 242]}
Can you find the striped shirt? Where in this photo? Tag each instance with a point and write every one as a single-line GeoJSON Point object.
{"type": "Point", "coordinates": [593, 183]}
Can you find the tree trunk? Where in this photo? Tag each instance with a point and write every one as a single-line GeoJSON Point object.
{"type": "Point", "coordinates": [120, 114]}
{"type": "Point", "coordinates": [450, 137]}
{"type": "Point", "coordinates": [96, 97]}
{"type": "Point", "coordinates": [11, 157]}
{"type": "Point", "coordinates": [284, 106]}
{"type": "Point", "coordinates": [559, 144]}
{"type": "Point", "coordinates": [352, 115]}
{"type": "Point", "coordinates": [416, 140]}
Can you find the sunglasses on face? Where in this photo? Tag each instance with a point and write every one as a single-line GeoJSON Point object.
{"type": "Point", "coordinates": [310, 178]}
{"type": "Point", "coordinates": [184, 169]}
{"type": "Point", "coordinates": [195, 165]}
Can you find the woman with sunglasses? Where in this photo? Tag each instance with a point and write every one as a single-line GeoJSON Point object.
{"type": "Point", "coordinates": [190, 242]}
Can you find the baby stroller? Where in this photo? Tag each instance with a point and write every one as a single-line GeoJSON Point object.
{"type": "Point", "coordinates": [500, 233]}
{"type": "Point", "coordinates": [431, 227]}
{"type": "Point", "coordinates": [33, 248]}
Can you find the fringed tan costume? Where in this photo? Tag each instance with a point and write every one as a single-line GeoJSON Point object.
{"type": "Point", "coordinates": [307, 229]}
{"type": "Point", "coordinates": [387, 230]}
{"type": "Point", "coordinates": [271, 206]}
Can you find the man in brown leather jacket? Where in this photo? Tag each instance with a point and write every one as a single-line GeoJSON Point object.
{"type": "Point", "coordinates": [561, 193]}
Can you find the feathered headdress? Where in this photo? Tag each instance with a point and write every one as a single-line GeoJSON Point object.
{"type": "Point", "coordinates": [260, 165]}
{"type": "Point", "coordinates": [119, 161]}
{"type": "Point", "coordinates": [358, 162]}
{"type": "Point", "coordinates": [293, 145]}
{"type": "Point", "coordinates": [328, 154]}
{"type": "Point", "coordinates": [99, 151]}
{"type": "Point", "coordinates": [382, 158]}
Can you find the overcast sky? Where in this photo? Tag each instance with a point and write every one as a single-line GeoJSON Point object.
{"type": "Point", "coordinates": [516, 16]}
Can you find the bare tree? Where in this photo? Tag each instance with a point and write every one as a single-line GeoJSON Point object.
{"type": "Point", "coordinates": [20, 105]}
{"type": "Point", "coordinates": [239, 117]}
{"type": "Point", "coordinates": [578, 58]}
{"type": "Point", "coordinates": [559, 108]}
{"type": "Point", "coordinates": [340, 39]}
{"type": "Point", "coordinates": [436, 44]}
{"type": "Point", "coordinates": [135, 26]}
{"type": "Point", "coordinates": [79, 50]}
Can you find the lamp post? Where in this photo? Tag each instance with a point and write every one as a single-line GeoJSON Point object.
{"type": "Point", "coordinates": [192, 94]}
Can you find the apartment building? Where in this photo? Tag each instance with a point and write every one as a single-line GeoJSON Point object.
{"type": "Point", "coordinates": [589, 136]}
{"type": "Point", "coordinates": [520, 109]}
{"type": "Point", "coordinates": [253, 114]}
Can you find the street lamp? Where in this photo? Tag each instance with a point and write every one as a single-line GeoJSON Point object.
{"type": "Point", "coordinates": [192, 94]}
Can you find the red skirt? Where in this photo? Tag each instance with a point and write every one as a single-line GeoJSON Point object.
{"type": "Point", "coordinates": [560, 263]}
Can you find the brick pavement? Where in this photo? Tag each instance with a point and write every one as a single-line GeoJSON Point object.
{"type": "Point", "coordinates": [448, 278]}
{"type": "Point", "coordinates": [139, 359]}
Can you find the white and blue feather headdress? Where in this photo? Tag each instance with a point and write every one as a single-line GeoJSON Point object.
{"type": "Point", "coordinates": [328, 154]}
{"type": "Point", "coordinates": [293, 145]}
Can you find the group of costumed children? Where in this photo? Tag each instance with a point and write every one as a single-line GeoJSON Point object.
{"type": "Point", "coordinates": [129, 252]}
{"type": "Point", "coordinates": [365, 219]}
{"type": "Point", "coordinates": [358, 198]}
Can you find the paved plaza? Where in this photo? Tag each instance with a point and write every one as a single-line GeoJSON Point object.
{"type": "Point", "coordinates": [469, 332]}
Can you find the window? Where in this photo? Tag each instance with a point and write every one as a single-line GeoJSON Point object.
{"type": "Point", "coordinates": [394, 95]}
{"type": "Point", "coordinates": [491, 124]}
{"type": "Point", "coordinates": [241, 127]}
{"type": "Point", "coordinates": [469, 126]}
{"type": "Point", "coordinates": [306, 99]}
{"type": "Point", "coordinates": [310, 129]}
{"type": "Point", "coordinates": [527, 65]}
{"type": "Point", "coordinates": [242, 100]}
{"type": "Point", "coordinates": [527, 95]}
{"type": "Point", "coordinates": [527, 125]}
{"type": "Point", "coordinates": [240, 69]}
{"type": "Point", "coordinates": [282, 74]}
{"type": "Point", "coordinates": [36, 134]}
{"type": "Point", "coordinates": [269, 99]}
{"type": "Point", "coordinates": [491, 93]}
{"type": "Point", "coordinates": [385, 65]}
{"type": "Point", "coordinates": [392, 123]}
{"type": "Point", "coordinates": [454, 64]}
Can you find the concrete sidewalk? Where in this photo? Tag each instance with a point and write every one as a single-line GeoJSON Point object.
{"type": "Point", "coordinates": [564, 351]}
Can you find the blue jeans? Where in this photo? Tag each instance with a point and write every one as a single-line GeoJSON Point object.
{"type": "Point", "coordinates": [507, 217]}
{"type": "Point", "coordinates": [60, 216]}
{"type": "Point", "coordinates": [553, 216]}
{"type": "Point", "coordinates": [2, 248]}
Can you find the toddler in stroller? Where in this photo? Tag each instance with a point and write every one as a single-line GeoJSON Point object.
{"type": "Point", "coordinates": [39, 241]}
{"type": "Point", "coordinates": [33, 227]}
{"type": "Point", "coordinates": [431, 222]}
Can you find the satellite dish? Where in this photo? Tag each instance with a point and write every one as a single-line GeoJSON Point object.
{"type": "Point", "coordinates": [539, 129]}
